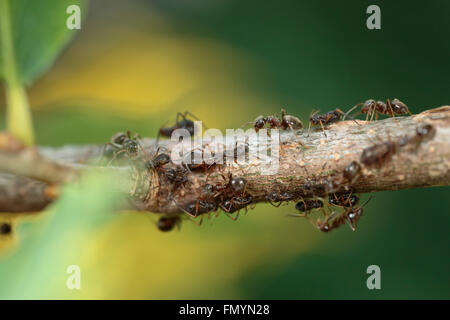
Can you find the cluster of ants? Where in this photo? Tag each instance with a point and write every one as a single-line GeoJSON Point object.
{"type": "Point", "coordinates": [230, 195]}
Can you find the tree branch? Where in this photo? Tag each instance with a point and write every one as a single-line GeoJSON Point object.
{"type": "Point", "coordinates": [308, 165]}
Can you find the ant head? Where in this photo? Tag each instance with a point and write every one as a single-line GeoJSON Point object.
{"type": "Point", "coordinates": [260, 122]}
{"type": "Point", "coordinates": [400, 106]}
{"type": "Point", "coordinates": [238, 184]}
{"type": "Point", "coordinates": [301, 206]}
{"type": "Point", "coordinates": [192, 208]}
{"type": "Point", "coordinates": [369, 103]}
{"type": "Point", "coordinates": [119, 138]}
{"type": "Point", "coordinates": [167, 223]}
{"type": "Point", "coordinates": [131, 146]}
{"type": "Point", "coordinates": [324, 227]}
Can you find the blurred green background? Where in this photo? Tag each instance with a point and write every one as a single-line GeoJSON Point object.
{"type": "Point", "coordinates": [134, 64]}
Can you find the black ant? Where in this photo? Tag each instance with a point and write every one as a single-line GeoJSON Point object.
{"type": "Point", "coordinates": [277, 198]}
{"type": "Point", "coordinates": [158, 161]}
{"type": "Point", "coordinates": [390, 108]}
{"type": "Point", "coordinates": [307, 205]}
{"type": "Point", "coordinates": [168, 223]}
{"type": "Point", "coordinates": [236, 185]}
{"type": "Point", "coordinates": [196, 208]}
{"type": "Point", "coordinates": [5, 228]}
{"type": "Point", "coordinates": [235, 204]}
{"type": "Point", "coordinates": [181, 122]}
{"type": "Point", "coordinates": [177, 176]}
{"type": "Point", "coordinates": [352, 215]}
{"type": "Point", "coordinates": [324, 119]}
{"type": "Point", "coordinates": [286, 122]}
{"type": "Point", "coordinates": [124, 143]}
{"type": "Point", "coordinates": [343, 199]}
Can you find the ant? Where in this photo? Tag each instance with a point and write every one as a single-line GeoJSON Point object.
{"type": "Point", "coordinates": [390, 108]}
{"type": "Point", "coordinates": [286, 122]}
{"type": "Point", "coordinates": [276, 198]}
{"type": "Point", "coordinates": [343, 199]}
{"type": "Point", "coordinates": [236, 185]}
{"type": "Point", "coordinates": [168, 223]}
{"type": "Point", "coordinates": [181, 122]}
{"type": "Point", "coordinates": [379, 153]}
{"type": "Point", "coordinates": [177, 176]}
{"type": "Point", "coordinates": [354, 214]}
{"type": "Point", "coordinates": [235, 204]}
{"type": "Point", "coordinates": [196, 208]}
{"type": "Point", "coordinates": [157, 161]}
{"type": "Point", "coordinates": [324, 119]}
{"type": "Point", "coordinates": [307, 205]}
{"type": "Point", "coordinates": [5, 228]}
{"type": "Point", "coordinates": [124, 143]}
{"type": "Point", "coordinates": [330, 222]}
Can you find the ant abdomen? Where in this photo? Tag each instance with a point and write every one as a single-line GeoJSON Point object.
{"type": "Point", "coordinates": [308, 205]}
{"type": "Point", "coordinates": [236, 203]}
{"type": "Point", "coordinates": [200, 207]}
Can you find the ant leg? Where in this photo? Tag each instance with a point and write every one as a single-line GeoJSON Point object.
{"type": "Point", "coordinates": [392, 112]}
{"type": "Point", "coordinates": [115, 157]}
{"type": "Point", "coordinates": [351, 109]}
{"type": "Point", "coordinates": [374, 111]}
{"type": "Point", "coordinates": [274, 204]}
{"type": "Point", "coordinates": [351, 118]}
{"type": "Point", "coordinates": [368, 113]}
{"type": "Point", "coordinates": [182, 209]}
{"type": "Point", "coordinates": [298, 215]}
{"type": "Point", "coordinates": [198, 224]}
{"type": "Point", "coordinates": [295, 134]}
{"type": "Point", "coordinates": [103, 152]}
{"type": "Point", "coordinates": [231, 217]}
{"type": "Point", "coordinates": [309, 128]}
{"type": "Point", "coordinates": [187, 113]}
{"type": "Point", "coordinates": [182, 115]}
{"type": "Point", "coordinates": [323, 129]}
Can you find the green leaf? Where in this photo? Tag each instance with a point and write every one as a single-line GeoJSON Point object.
{"type": "Point", "coordinates": [39, 33]}
{"type": "Point", "coordinates": [32, 35]}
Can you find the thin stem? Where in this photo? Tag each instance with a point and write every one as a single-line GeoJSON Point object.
{"type": "Point", "coordinates": [18, 117]}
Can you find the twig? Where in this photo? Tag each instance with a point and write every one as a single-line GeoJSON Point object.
{"type": "Point", "coordinates": [302, 171]}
